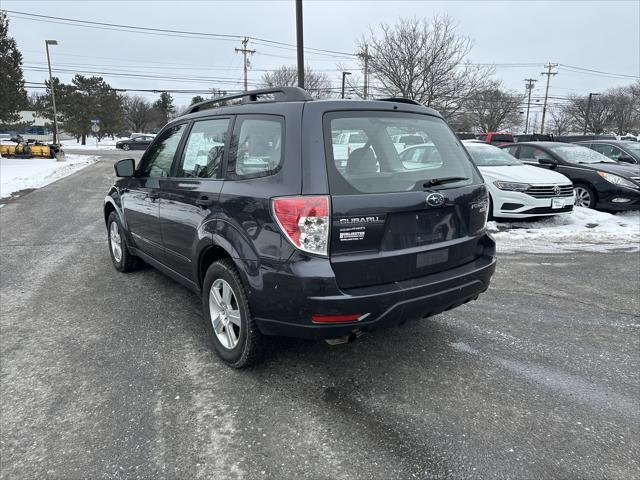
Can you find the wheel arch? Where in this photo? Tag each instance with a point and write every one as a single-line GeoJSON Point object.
{"type": "Point", "coordinates": [207, 257]}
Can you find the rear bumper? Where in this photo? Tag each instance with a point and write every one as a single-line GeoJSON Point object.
{"type": "Point", "coordinates": [378, 306]}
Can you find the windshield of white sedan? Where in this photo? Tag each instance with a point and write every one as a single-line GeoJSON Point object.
{"type": "Point", "coordinates": [488, 156]}
{"type": "Point", "coordinates": [578, 154]}
{"type": "Point", "coordinates": [392, 152]}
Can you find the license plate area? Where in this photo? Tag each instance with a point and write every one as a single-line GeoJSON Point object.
{"type": "Point", "coordinates": [557, 203]}
{"type": "Point", "coordinates": [415, 229]}
{"type": "Point", "coordinates": [436, 257]}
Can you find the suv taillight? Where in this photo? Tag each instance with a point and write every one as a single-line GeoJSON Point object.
{"type": "Point", "coordinates": [305, 221]}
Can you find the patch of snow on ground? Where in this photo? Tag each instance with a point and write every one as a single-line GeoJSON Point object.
{"type": "Point", "coordinates": [18, 174]}
{"type": "Point", "coordinates": [582, 230]}
{"type": "Point", "coordinates": [104, 144]}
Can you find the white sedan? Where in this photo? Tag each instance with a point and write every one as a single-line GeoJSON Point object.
{"type": "Point", "coordinates": [518, 190]}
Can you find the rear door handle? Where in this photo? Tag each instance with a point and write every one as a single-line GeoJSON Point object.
{"type": "Point", "coordinates": [204, 201]}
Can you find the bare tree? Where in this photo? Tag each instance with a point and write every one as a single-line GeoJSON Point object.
{"type": "Point", "coordinates": [139, 113]}
{"type": "Point", "coordinates": [425, 61]}
{"type": "Point", "coordinates": [624, 111]}
{"type": "Point", "coordinates": [561, 121]}
{"type": "Point", "coordinates": [494, 108]}
{"type": "Point", "coordinates": [316, 83]}
{"type": "Point", "coordinates": [599, 112]}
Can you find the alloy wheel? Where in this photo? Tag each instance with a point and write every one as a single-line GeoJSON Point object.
{"type": "Point", "coordinates": [583, 197]}
{"type": "Point", "coordinates": [224, 313]}
{"type": "Point", "coordinates": [116, 241]}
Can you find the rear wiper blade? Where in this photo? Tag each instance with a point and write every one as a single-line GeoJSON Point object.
{"type": "Point", "coordinates": [440, 181]}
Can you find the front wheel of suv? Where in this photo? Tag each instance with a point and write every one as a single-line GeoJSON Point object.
{"type": "Point", "coordinates": [121, 258]}
{"type": "Point", "coordinates": [228, 320]}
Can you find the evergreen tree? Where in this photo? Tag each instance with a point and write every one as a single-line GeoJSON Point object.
{"type": "Point", "coordinates": [13, 96]}
{"type": "Point", "coordinates": [164, 108]}
{"type": "Point", "coordinates": [197, 99]}
{"type": "Point", "coordinates": [84, 99]}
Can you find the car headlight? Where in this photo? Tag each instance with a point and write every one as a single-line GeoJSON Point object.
{"type": "Point", "coordinates": [512, 186]}
{"type": "Point", "coordinates": [616, 180]}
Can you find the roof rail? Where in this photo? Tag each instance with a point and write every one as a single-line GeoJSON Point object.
{"type": "Point", "coordinates": [399, 100]}
{"type": "Point", "coordinates": [280, 94]}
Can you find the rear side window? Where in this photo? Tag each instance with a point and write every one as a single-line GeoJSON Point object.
{"type": "Point", "coordinates": [383, 164]}
{"type": "Point", "coordinates": [532, 154]}
{"type": "Point", "coordinates": [512, 150]}
{"type": "Point", "coordinates": [256, 146]}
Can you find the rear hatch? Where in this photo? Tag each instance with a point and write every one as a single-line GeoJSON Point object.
{"type": "Point", "coordinates": [402, 214]}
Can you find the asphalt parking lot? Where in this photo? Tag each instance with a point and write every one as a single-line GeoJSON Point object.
{"type": "Point", "coordinates": [105, 375]}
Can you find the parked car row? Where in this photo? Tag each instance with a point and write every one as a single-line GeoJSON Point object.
{"type": "Point", "coordinates": [531, 179]}
{"type": "Point", "coordinates": [599, 182]}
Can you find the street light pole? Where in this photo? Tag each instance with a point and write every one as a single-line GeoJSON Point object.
{"type": "Point", "coordinates": [53, 94]}
{"type": "Point", "coordinates": [344, 76]}
{"type": "Point", "coordinates": [586, 119]}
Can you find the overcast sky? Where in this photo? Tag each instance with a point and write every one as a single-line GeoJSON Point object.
{"type": "Point", "coordinates": [597, 35]}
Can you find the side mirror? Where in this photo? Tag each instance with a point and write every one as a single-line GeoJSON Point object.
{"type": "Point", "coordinates": [125, 168]}
{"type": "Point", "coordinates": [626, 160]}
{"type": "Point", "coordinates": [549, 162]}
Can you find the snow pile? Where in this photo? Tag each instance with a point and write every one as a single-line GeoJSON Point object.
{"type": "Point", "coordinates": [18, 174]}
{"type": "Point", "coordinates": [583, 230]}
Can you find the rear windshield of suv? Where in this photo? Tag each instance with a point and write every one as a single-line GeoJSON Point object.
{"type": "Point", "coordinates": [381, 165]}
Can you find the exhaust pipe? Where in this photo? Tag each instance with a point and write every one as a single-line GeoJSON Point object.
{"type": "Point", "coordinates": [350, 337]}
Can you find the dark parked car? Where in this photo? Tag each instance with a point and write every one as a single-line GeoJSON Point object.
{"type": "Point", "coordinates": [534, 137]}
{"type": "Point", "coordinates": [581, 138]}
{"type": "Point", "coordinates": [599, 182]}
{"type": "Point", "coordinates": [136, 142]}
{"type": "Point", "coordinates": [246, 205]}
{"type": "Point", "coordinates": [618, 150]}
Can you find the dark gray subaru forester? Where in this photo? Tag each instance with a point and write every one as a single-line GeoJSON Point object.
{"type": "Point", "coordinates": [306, 218]}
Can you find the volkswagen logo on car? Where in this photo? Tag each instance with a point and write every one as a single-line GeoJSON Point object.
{"type": "Point", "coordinates": [557, 190]}
{"type": "Point", "coordinates": [435, 199]}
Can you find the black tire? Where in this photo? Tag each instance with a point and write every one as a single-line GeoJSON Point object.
{"type": "Point", "coordinates": [250, 346]}
{"type": "Point", "coordinates": [127, 262]}
{"type": "Point", "coordinates": [126, 147]}
{"type": "Point", "coordinates": [593, 198]}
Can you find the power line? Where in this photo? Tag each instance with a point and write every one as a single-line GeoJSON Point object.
{"type": "Point", "coordinates": [164, 31]}
{"type": "Point", "coordinates": [621, 75]}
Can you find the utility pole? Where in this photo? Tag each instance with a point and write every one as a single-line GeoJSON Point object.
{"type": "Point", "coordinates": [365, 58]}
{"type": "Point", "coordinates": [529, 87]}
{"type": "Point", "coordinates": [344, 76]}
{"type": "Point", "coordinates": [549, 74]}
{"type": "Point", "coordinates": [53, 94]}
{"type": "Point", "coordinates": [244, 50]}
{"type": "Point", "coordinates": [586, 119]}
{"type": "Point", "coordinates": [300, 43]}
